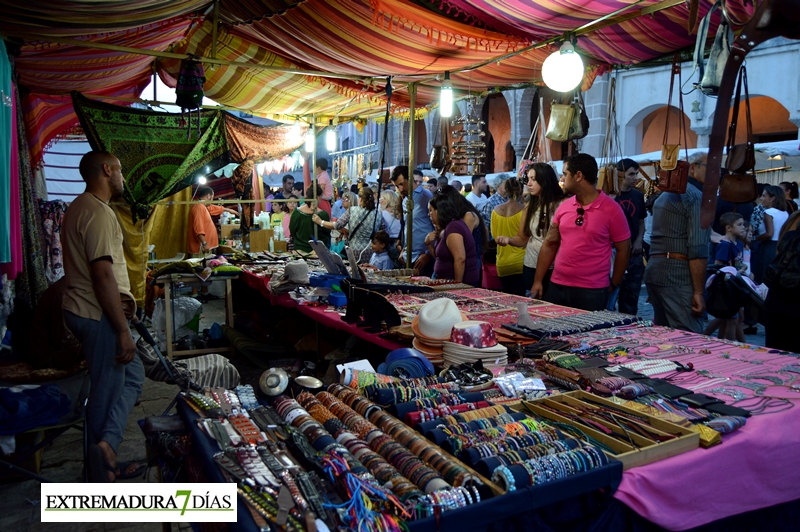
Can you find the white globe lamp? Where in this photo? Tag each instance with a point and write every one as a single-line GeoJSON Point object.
{"type": "Point", "coordinates": [562, 71]}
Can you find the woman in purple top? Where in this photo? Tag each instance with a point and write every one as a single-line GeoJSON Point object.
{"type": "Point", "coordinates": [455, 250]}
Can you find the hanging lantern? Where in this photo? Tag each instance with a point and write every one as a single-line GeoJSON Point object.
{"type": "Point", "coordinates": [310, 139]}
{"type": "Point", "coordinates": [563, 70]}
{"type": "Point", "coordinates": [330, 136]}
{"type": "Point", "coordinates": [446, 97]}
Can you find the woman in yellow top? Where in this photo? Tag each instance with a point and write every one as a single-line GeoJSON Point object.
{"type": "Point", "coordinates": [506, 220]}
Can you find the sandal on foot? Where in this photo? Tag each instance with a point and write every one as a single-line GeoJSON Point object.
{"type": "Point", "coordinates": [122, 467]}
{"type": "Point", "coordinates": [98, 467]}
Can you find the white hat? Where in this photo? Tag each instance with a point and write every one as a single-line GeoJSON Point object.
{"type": "Point", "coordinates": [437, 317]}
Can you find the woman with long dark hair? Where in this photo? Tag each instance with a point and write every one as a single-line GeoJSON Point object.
{"type": "Point", "coordinates": [782, 307]}
{"type": "Point", "coordinates": [472, 217]}
{"type": "Point", "coordinates": [455, 248]}
{"type": "Point", "coordinates": [545, 196]}
{"type": "Point", "coordinates": [773, 199]}
{"type": "Point", "coordinates": [790, 189]}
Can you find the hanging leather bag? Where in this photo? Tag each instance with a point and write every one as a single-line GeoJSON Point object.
{"type": "Point", "coordinates": [740, 185]}
{"type": "Point", "coordinates": [741, 157]}
{"type": "Point", "coordinates": [561, 117]}
{"type": "Point", "coordinates": [673, 174]}
{"type": "Point", "coordinates": [608, 178]}
{"type": "Point", "coordinates": [580, 120]}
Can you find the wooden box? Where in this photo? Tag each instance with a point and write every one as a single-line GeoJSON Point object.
{"type": "Point", "coordinates": [648, 452]}
{"type": "Point", "coordinates": [259, 240]}
{"type": "Point", "coordinates": [225, 230]}
{"type": "Point", "coordinates": [280, 245]}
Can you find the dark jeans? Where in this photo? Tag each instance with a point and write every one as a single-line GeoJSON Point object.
{"type": "Point", "coordinates": [529, 274]}
{"type": "Point", "coordinates": [573, 296]}
{"type": "Point", "coordinates": [631, 287]}
{"type": "Point", "coordinates": [513, 284]}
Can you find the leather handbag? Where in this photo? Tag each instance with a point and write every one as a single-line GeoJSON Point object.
{"type": "Point", "coordinates": [741, 157]}
{"type": "Point", "coordinates": [608, 178]}
{"type": "Point", "coordinates": [739, 188]}
{"type": "Point", "coordinates": [561, 117]}
{"type": "Point", "coordinates": [580, 120]}
{"type": "Point", "coordinates": [673, 175]}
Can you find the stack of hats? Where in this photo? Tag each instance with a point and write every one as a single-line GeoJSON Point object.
{"type": "Point", "coordinates": [433, 325]}
{"type": "Point", "coordinates": [471, 341]}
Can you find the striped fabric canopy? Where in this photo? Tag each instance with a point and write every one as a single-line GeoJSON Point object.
{"type": "Point", "coordinates": [412, 40]}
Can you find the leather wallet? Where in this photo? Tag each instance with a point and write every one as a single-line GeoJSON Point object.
{"type": "Point", "coordinates": [699, 400]}
{"type": "Point", "coordinates": [728, 410]}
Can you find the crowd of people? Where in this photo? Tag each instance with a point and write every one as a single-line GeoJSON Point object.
{"type": "Point", "coordinates": [563, 241]}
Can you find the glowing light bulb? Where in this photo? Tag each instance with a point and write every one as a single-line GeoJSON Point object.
{"type": "Point", "coordinates": [446, 97]}
{"type": "Point", "coordinates": [310, 140]}
{"type": "Point", "coordinates": [330, 137]}
{"type": "Point", "coordinates": [563, 70]}
{"type": "Point", "coordinates": [202, 180]}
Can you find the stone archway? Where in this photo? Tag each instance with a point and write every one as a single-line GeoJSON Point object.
{"type": "Point", "coordinates": [644, 132]}
{"type": "Point", "coordinates": [497, 116]}
{"type": "Point", "coordinates": [770, 121]}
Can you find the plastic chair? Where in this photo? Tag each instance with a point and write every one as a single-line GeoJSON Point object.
{"type": "Point", "coordinates": [76, 388]}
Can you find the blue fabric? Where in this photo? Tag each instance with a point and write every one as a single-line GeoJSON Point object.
{"type": "Point", "coordinates": [729, 253]}
{"type": "Point", "coordinates": [22, 410]}
{"type": "Point", "coordinates": [6, 125]}
{"type": "Point", "coordinates": [381, 260]}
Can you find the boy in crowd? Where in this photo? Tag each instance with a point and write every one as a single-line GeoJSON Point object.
{"type": "Point", "coordinates": [730, 252]}
{"type": "Point", "coordinates": [380, 259]}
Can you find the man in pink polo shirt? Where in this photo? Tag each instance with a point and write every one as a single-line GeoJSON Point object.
{"type": "Point", "coordinates": [584, 229]}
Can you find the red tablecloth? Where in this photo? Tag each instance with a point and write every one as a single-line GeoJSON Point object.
{"type": "Point", "coordinates": [318, 314]}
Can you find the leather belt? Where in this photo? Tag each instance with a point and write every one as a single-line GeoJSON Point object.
{"type": "Point", "coordinates": [671, 255]}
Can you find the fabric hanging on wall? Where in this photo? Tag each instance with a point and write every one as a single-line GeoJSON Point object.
{"type": "Point", "coordinates": [242, 180]}
{"type": "Point", "coordinates": [32, 281]}
{"type": "Point", "coordinates": [6, 125]}
{"type": "Point", "coordinates": [134, 245]}
{"type": "Point", "coordinates": [15, 265]}
{"type": "Point", "coordinates": [246, 140]}
{"type": "Point", "coordinates": [52, 213]}
{"type": "Point", "coordinates": [155, 154]}
{"type": "Point", "coordinates": [170, 225]}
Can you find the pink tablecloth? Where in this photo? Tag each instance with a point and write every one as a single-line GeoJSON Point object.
{"type": "Point", "coordinates": [753, 468]}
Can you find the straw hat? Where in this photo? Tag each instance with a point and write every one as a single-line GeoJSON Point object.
{"type": "Point", "coordinates": [437, 317]}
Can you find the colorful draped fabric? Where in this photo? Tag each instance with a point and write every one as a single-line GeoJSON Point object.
{"type": "Point", "coordinates": [51, 71]}
{"type": "Point", "coordinates": [157, 150]}
{"type": "Point", "coordinates": [247, 140]}
{"type": "Point", "coordinates": [6, 125]}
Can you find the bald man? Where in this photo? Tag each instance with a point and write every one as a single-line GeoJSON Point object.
{"type": "Point", "coordinates": [97, 305]}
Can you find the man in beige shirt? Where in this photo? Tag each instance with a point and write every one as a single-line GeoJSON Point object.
{"type": "Point", "coordinates": [97, 306]}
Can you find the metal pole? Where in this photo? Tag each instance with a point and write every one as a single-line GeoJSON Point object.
{"type": "Point", "coordinates": [313, 167]}
{"type": "Point", "coordinates": [412, 93]}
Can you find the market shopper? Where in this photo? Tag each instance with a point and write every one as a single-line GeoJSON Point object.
{"type": "Point", "coordinates": [361, 222]}
{"type": "Point", "coordinates": [472, 217]}
{"type": "Point", "coordinates": [790, 189]}
{"type": "Point", "coordinates": [97, 305]}
{"type": "Point", "coordinates": [545, 197]}
{"type": "Point", "coordinates": [202, 235]}
{"type": "Point", "coordinates": [388, 202]}
{"type": "Point", "coordinates": [632, 203]}
{"type": "Point", "coordinates": [454, 250]}
{"type": "Point", "coordinates": [421, 260]}
{"type": "Point", "coordinates": [301, 225]}
{"type": "Point", "coordinates": [498, 198]}
{"type": "Point", "coordinates": [288, 209]}
{"type": "Point", "coordinates": [476, 195]}
{"type": "Point", "coordinates": [506, 223]}
{"type": "Point", "coordinates": [288, 185]}
{"type": "Point", "coordinates": [676, 272]}
{"type": "Point", "coordinates": [773, 200]}
{"type": "Point", "coordinates": [584, 229]}
{"type": "Point", "coordinates": [782, 306]}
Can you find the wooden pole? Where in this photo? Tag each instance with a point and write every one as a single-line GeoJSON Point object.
{"type": "Point", "coordinates": [412, 94]}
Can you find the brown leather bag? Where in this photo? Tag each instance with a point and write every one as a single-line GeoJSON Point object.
{"type": "Point", "coordinates": [580, 121]}
{"type": "Point", "coordinates": [560, 123]}
{"type": "Point", "coordinates": [739, 188]}
{"type": "Point", "coordinates": [741, 157]}
{"type": "Point", "coordinates": [673, 176]}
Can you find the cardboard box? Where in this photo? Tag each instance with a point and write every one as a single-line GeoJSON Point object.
{"type": "Point", "coordinates": [280, 245]}
{"type": "Point", "coordinates": [259, 240]}
{"type": "Point", "coordinates": [647, 453]}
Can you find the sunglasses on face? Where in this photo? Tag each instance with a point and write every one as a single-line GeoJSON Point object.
{"type": "Point", "coordinates": [579, 219]}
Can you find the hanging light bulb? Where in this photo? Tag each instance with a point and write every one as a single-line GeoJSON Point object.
{"type": "Point", "coordinates": [446, 97]}
{"type": "Point", "coordinates": [310, 139]}
{"type": "Point", "coordinates": [296, 128]}
{"type": "Point", "coordinates": [562, 71]}
{"type": "Point", "coordinates": [201, 180]}
{"type": "Point", "coordinates": [330, 136]}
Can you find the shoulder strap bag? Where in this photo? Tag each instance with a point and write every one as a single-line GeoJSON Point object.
{"type": "Point", "coordinates": [740, 186]}
{"type": "Point", "coordinates": [673, 175]}
{"type": "Point", "coordinates": [608, 178]}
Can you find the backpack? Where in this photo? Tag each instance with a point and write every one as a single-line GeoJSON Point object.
{"type": "Point", "coordinates": [783, 273]}
{"type": "Point", "coordinates": [723, 298]}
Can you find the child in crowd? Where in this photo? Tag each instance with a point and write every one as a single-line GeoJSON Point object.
{"type": "Point", "coordinates": [730, 252]}
{"type": "Point", "coordinates": [380, 259]}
